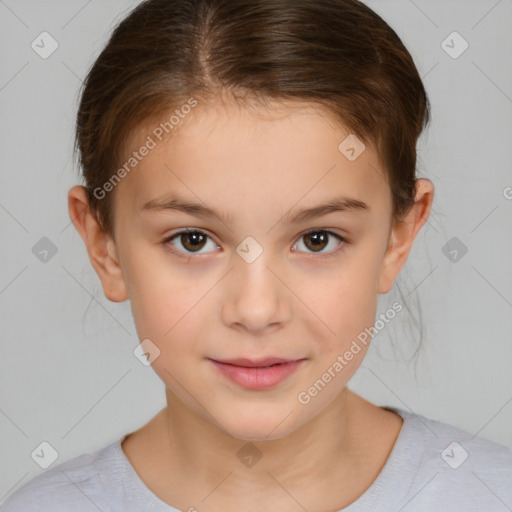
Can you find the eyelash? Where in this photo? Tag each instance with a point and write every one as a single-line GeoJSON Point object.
{"type": "Point", "coordinates": [333, 252]}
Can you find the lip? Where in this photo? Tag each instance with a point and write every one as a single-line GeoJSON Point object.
{"type": "Point", "coordinates": [259, 374]}
{"type": "Point", "coordinates": [260, 363]}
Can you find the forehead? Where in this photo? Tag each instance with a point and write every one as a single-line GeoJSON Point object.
{"type": "Point", "coordinates": [282, 153]}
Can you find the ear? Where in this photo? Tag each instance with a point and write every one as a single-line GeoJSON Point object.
{"type": "Point", "coordinates": [403, 234]}
{"type": "Point", "coordinates": [100, 245]}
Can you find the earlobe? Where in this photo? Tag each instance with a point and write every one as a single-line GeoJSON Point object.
{"type": "Point", "coordinates": [100, 245]}
{"type": "Point", "coordinates": [403, 235]}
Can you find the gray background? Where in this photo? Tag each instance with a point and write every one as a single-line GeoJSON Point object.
{"type": "Point", "coordinates": [68, 374]}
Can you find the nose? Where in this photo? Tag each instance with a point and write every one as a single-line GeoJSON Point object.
{"type": "Point", "coordinates": [256, 299]}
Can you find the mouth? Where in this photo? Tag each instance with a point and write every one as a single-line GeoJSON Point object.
{"type": "Point", "coordinates": [257, 374]}
{"type": "Point", "coordinates": [261, 363]}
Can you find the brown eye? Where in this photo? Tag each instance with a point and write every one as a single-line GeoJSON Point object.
{"type": "Point", "coordinates": [192, 241]}
{"type": "Point", "coordinates": [316, 241]}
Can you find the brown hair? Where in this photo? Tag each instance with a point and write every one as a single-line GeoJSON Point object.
{"type": "Point", "coordinates": [338, 54]}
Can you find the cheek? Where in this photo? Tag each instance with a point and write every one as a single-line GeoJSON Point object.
{"type": "Point", "coordinates": [347, 301]}
{"type": "Point", "coordinates": [163, 299]}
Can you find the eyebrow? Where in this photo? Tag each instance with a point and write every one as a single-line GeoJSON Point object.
{"type": "Point", "coordinates": [339, 204]}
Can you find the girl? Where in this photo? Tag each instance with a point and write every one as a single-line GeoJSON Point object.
{"type": "Point", "coordinates": [251, 189]}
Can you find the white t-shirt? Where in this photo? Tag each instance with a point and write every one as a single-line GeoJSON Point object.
{"type": "Point", "coordinates": [432, 467]}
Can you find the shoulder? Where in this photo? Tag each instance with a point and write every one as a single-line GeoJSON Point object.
{"type": "Point", "coordinates": [458, 448]}
{"type": "Point", "coordinates": [468, 470]}
{"type": "Point", "coordinates": [73, 485]}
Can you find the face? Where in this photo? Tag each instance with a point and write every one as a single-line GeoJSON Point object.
{"type": "Point", "coordinates": [258, 278]}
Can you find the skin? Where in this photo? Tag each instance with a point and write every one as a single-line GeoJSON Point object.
{"type": "Point", "coordinates": [256, 166]}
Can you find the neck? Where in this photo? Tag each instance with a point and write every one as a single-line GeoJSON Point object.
{"type": "Point", "coordinates": [205, 451]}
{"type": "Point", "coordinates": [328, 462]}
